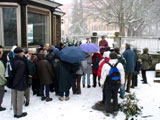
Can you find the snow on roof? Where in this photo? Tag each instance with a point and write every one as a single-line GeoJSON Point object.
{"type": "Point", "coordinates": [48, 3]}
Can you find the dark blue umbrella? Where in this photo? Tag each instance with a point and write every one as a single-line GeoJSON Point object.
{"type": "Point", "coordinates": [90, 47]}
{"type": "Point", "coordinates": [72, 54]}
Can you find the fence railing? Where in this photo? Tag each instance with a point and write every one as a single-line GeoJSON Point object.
{"type": "Point", "coordinates": [152, 43]}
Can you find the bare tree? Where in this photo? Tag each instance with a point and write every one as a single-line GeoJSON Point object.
{"type": "Point", "coordinates": [130, 15]}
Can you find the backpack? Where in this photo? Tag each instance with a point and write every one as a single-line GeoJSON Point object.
{"type": "Point", "coordinates": [113, 77]}
{"type": "Point", "coordinates": [10, 73]}
{"type": "Point", "coordinates": [96, 63]}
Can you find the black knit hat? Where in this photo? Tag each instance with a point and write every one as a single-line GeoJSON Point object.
{"type": "Point", "coordinates": [18, 50]}
{"type": "Point", "coordinates": [113, 55]}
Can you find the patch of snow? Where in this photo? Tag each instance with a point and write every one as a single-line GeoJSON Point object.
{"type": "Point", "coordinates": [79, 106]}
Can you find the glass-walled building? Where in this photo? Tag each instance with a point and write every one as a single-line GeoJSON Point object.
{"type": "Point", "coordinates": [29, 23]}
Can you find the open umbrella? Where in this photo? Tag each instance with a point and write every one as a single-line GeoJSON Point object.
{"type": "Point", "coordinates": [72, 54]}
{"type": "Point", "coordinates": [90, 47]}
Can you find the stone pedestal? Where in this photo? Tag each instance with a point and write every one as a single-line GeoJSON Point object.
{"type": "Point", "coordinates": [117, 42]}
{"type": "Point", "coordinates": [94, 39]}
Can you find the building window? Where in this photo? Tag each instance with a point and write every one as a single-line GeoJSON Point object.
{"type": "Point", "coordinates": [38, 33]}
{"type": "Point", "coordinates": [109, 27]}
{"type": "Point", "coordinates": [102, 27]}
{"type": "Point", "coordinates": [9, 23]}
{"type": "Point", "coordinates": [95, 28]}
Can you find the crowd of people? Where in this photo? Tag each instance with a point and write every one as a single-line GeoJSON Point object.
{"type": "Point", "coordinates": [45, 72]}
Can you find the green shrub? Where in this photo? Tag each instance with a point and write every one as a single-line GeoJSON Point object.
{"type": "Point", "coordinates": [130, 107]}
{"type": "Point", "coordinates": [116, 34]}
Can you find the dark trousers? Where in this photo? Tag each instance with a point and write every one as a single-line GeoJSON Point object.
{"type": "Point", "coordinates": [56, 84]}
{"type": "Point", "coordinates": [65, 92]}
{"type": "Point", "coordinates": [134, 79]}
{"type": "Point", "coordinates": [36, 86]}
{"type": "Point", "coordinates": [128, 79]}
{"type": "Point", "coordinates": [103, 95]}
{"type": "Point", "coordinates": [94, 80]}
{"type": "Point", "coordinates": [1, 94]}
{"type": "Point", "coordinates": [144, 76]}
{"type": "Point", "coordinates": [76, 88]}
{"type": "Point", "coordinates": [51, 87]}
{"type": "Point", "coordinates": [111, 93]}
{"type": "Point", "coordinates": [46, 90]}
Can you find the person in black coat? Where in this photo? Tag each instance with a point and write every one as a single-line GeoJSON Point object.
{"type": "Point", "coordinates": [66, 76]}
{"type": "Point", "coordinates": [19, 83]}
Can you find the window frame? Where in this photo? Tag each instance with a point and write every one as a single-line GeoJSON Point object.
{"type": "Point", "coordinates": [18, 18]}
{"type": "Point", "coordinates": [42, 11]}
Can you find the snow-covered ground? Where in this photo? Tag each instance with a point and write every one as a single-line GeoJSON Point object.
{"type": "Point", "coordinates": [79, 106]}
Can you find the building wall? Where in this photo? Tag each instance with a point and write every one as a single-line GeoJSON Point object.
{"type": "Point", "coordinates": [33, 24]}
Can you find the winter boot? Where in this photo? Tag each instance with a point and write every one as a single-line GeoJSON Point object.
{"type": "Point", "coordinates": [106, 113]}
{"type": "Point", "coordinates": [43, 98]}
{"type": "Point", "coordinates": [2, 109]}
{"type": "Point", "coordinates": [88, 86]}
{"type": "Point", "coordinates": [26, 104]}
{"type": "Point", "coordinates": [67, 98]}
{"type": "Point", "coordinates": [61, 98]}
{"type": "Point", "coordinates": [22, 115]}
{"type": "Point", "coordinates": [48, 99]}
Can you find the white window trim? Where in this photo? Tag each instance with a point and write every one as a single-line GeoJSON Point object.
{"type": "Point", "coordinates": [52, 4]}
{"type": "Point", "coordinates": [18, 16]}
{"type": "Point", "coordinates": [19, 42]}
{"type": "Point", "coordinates": [49, 21]}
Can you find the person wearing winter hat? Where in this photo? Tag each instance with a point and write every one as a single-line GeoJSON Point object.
{"type": "Point", "coordinates": [19, 83]}
{"type": "Point", "coordinates": [111, 90]}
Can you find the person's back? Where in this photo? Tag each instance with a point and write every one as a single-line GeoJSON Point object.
{"type": "Point", "coordinates": [87, 70]}
{"type": "Point", "coordinates": [106, 68]}
{"type": "Point", "coordinates": [130, 60]}
{"type": "Point", "coordinates": [145, 60]}
{"type": "Point", "coordinates": [65, 76]}
{"type": "Point", "coordinates": [129, 55]}
{"type": "Point", "coordinates": [19, 83]}
{"type": "Point", "coordinates": [45, 74]}
{"type": "Point", "coordinates": [110, 90]}
{"type": "Point", "coordinates": [145, 57]}
{"type": "Point", "coordinates": [20, 80]}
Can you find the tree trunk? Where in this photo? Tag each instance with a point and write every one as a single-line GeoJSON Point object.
{"type": "Point", "coordinates": [122, 29]}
